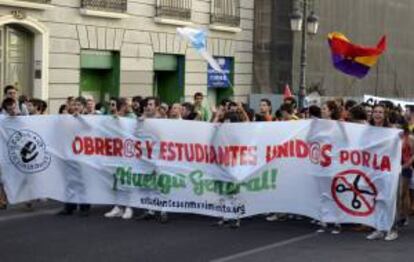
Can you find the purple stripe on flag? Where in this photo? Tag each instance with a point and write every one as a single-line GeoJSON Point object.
{"type": "Point", "coordinates": [350, 67]}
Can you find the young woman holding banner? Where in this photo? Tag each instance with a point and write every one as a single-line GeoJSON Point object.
{"type": "Point", "coordinates": [406, 174]}
{"type": "Point", "coordinates": [330, 111]}
{"type": "Point", "coordinates": [380, 119]}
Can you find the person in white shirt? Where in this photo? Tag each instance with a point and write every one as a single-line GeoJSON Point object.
{"type": "Point", "coordinates": [121, 107]}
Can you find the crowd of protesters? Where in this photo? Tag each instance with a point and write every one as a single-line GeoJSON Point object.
{"type": "Point", "coordinates": [382, 114]}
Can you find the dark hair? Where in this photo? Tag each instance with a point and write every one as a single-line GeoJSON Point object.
{"type": "Point", "coordinates": [190, 108]}
{"type": "Point", "coordinates": [315, 111]}
{"type": "Point", "coordinates": [9, 87]}
{"type": "Point", "coordinates": [198, 94]}
{"type": "Point", "coordinates": [7, 102]}
{"type": "Point", "coordinates": [224, 101]}
{"type": "Point", "coordinates": [334, 108]}
{"type": "Point", "coordinates": [156, 100]}
{"type": "Point", "coordinates": [44, 106]}
{"type": "Point", "coordinates": [287, 108]}
{"type": "Point", "coordinates": [292, 101]}
{"type": "Point", "coordinates": [37, 103]}
{"type": "Point", "coordinates": [23, 98]}
{"type": "Point", "coordinates": [122, 101]}
{"type": "Point", "coordinates": [394, 117]}
{"type": "Point", "coordinates": [232, 103]}
{"type": "Point", "coordinates": [386, 122]}
{"type": "Point", "coordinates": [304, 110]}
{"type": "Point", "coordinates": [260, 118]}
{"type": "Point", "coordinates": [115, 99]}
{"type": "Point", "coordinates": [249, 111]}
{"type": "Point", "coordinates": [232, 117]}
{"type": "Point", "coordinates": [62, 108]}
{"type": "Point", "coordinates": [387, 104]}
{"type": "Point", "coordinates": [365, 104]}
{"type": "Point", "coordinates": [268, 103]}
{"type": "Point", "coordinates": [358, 113]}
{"type": "Point", "coordinates": [81, 100]}
{"type": "Point", "coordinates": [278, 114]}
{"type": "Point", "coordinates": [137, 99]}
{"type": "Point", "coordinates": [98, 106]}
{"type": "Point", "coordinates": [350, 104]}
{"type": "Point", "coordinates": [410, 108]}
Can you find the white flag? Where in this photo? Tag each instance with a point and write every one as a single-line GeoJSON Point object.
{"type": "Point", "coordinates": [198, 38]}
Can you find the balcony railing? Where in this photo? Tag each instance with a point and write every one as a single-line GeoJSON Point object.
{"type": "Point", "coordinates": [178, 9]}
{"type": "Point", "coordinates": [226, 12]}
{"type": "Point", "coordinates": [38, 1]}
{"type": "Point", "coordinates": [116, 6]}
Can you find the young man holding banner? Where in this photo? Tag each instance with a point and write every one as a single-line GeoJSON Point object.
{"type": "Point", "coordinates": [121, 107]}
{"type": "Point", "coordinates": [70, 208]}
{"type": "Point", "coordinates": [151, 110]}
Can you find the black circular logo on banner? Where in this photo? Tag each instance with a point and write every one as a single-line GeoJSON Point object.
{"type": "Point", "coordinates": [27, 152]}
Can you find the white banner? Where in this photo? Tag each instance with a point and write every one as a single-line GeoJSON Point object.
{"type": "Point", "coordinates": [327, 170]}
{"type": "Point", "coordinates": [396, 102]}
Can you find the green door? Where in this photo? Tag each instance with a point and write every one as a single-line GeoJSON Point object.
{"type": "Point", "coordinates": [93, 83]}
{"type": "Point", "coordinates": [99, 74]}
{"type": "Point", "coordinates": [169, 77]}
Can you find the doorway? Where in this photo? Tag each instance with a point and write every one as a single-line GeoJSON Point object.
{"type": "Point", "coordinates": [17, 58]}
{"type": "Point", "coordinates": [169, 78]}
{"type": "Point", "coordinates": [100, 72]}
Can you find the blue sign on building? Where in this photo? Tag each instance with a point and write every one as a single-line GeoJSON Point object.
{"type": "Point", "coordinates": [219, 80]}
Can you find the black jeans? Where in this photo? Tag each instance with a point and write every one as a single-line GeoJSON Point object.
{"type": "Point", "coordinates": [70, 207]}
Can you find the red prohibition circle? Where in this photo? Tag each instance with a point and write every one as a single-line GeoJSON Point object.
{"type": "Point", "coordinates": [342, 177]}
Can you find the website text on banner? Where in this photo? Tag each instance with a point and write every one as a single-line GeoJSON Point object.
{"type": "Point", "coordinates": [327, 170]}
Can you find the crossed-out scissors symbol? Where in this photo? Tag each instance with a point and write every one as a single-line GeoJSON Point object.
{"type": "Point", "coordinates": [356, 203]}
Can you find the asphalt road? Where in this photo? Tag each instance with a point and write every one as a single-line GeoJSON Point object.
{"type": "Point", "coordinates": [42, 236]}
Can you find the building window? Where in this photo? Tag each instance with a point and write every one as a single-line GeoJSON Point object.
{"type": "Point", "coordinates": [177, 9]}
{"type": "Point", "coordinates": [38, 1]}
{"type": "Point", "coordinates": [27, 4]}
{"type": "Point", "coordinates": [226, 12]}
{"type": "Point", "coordinates": [116, 6]}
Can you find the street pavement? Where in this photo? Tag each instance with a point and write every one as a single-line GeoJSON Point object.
{"type": "Point", "coordinates": [42, 236]}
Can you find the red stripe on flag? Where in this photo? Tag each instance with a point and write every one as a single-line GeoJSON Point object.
{"type": "Point", "coordinates": [341, 47]}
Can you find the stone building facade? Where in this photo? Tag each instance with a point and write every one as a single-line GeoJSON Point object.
{"type": "Point", "coordinates": [277, 48]}
{"type": "Point", "coordinates": [53, 49]}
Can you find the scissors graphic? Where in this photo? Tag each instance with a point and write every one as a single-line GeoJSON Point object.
{"type": "Point", "coordinates": [356, 203]}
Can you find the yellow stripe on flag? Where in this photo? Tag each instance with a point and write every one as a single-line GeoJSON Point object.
{"type": "Point", "coordinates": [338, 35]}
{"type": "Point", "coordinates": [367, 60]}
